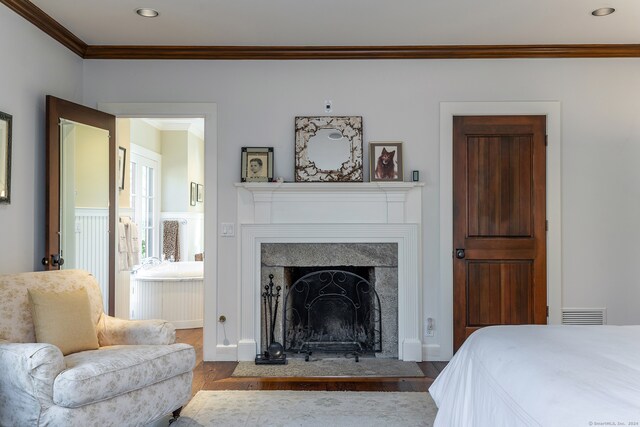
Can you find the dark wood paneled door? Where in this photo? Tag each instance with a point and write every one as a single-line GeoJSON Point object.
{"type": "Point", "coordinates": [61, 207]}
{"type": "Point", "coordinates": [499, 222]}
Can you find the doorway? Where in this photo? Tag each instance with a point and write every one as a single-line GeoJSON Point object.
{"type": "Point", "coordinates": [208, 111]}
{"type": "Point", "coordinates": [162, 199]}
{"type": "Point", "coordinates": [499, 222]}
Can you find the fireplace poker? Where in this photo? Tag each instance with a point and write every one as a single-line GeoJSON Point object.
{"type": "Point", "coordinates": [266, 325]}
{"type": "Point", "coordinates": [275, 312]}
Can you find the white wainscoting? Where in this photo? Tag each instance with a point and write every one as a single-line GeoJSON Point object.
{"type": "Point", "coordinates": [92, 246]}
{"type": "Point", "coordinates": [176, 301]}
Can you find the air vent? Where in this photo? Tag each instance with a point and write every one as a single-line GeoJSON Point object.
{"type": "Point", "coordinates": [584, 316]}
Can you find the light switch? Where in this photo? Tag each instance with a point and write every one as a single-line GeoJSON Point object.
{"type": "Point", "coordinates": [227, 229]}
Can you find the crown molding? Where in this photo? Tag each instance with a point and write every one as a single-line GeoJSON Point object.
{"type": "Point", "coordinates": [36, 16]}
{"type": "Point", "coordinates": [47, 24]}
{"type": "Point", "coordinates": [364, 52]}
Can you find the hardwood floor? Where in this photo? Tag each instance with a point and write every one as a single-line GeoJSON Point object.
{"type": "Point", "coordinates": [217, 376]}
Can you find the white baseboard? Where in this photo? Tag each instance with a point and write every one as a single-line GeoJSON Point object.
{"type": "Point", "coordinates": [188, 324]}
{"type": "Point", "coordinates": [226, 353]}
{"type": "Point", "coordinates": [432, 353]}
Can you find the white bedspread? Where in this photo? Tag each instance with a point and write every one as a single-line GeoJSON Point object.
{"type": "Point", "coordinates": [542, 376]}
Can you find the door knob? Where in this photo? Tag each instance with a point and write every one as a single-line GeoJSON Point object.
{"type": "Point", "coordinates": [57, 260]}
{"type": "Point", "coordinates": [460, 253]}
{"type": "Point", "coordinates": [45, 261]}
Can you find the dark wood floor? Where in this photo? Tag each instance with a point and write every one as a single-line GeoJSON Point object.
{"type": "Point", "coordinates": [217, 376]}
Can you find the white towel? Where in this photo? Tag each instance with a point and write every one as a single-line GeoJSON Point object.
{"type": "Point", "coordinates": [133, 244]}
{"type": "Point", "coordinates": [123, 250]}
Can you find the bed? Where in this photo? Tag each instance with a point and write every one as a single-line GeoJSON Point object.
{"type": "Point", "coordinates": [532, 375]}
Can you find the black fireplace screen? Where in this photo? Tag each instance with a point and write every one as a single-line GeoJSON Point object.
{"type": "Point", "coordinates": [333, 311]}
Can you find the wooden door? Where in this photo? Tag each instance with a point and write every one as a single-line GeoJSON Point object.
{"type": "Point", "coordinates": [499, 222]}
{"type": "Point", "coordinates": [57, 112]}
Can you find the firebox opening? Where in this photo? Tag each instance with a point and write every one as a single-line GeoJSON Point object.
{"type": "Point", "coordinates": [331, 309]}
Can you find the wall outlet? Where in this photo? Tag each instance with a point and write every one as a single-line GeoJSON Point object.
{"type": "Point", "coordinates": [428, 328]}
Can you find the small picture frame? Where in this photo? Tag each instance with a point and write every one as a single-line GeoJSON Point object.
{"type": "Point", "coordinates": [122, 159]}
{"type": "Point", "coordinates": [200, 193]}
{"type": "Point", "coordinates": [385, 161]}
{"type": "Point", "coordinates": [256, 164]}
{"type": "Point", "coordinates": [193, 194]}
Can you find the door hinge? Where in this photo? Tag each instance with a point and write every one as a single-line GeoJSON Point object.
{"type": "Point", "coordinates": [547, 311]}
{"type": "Point", "coordinates": [546, 140]}
{"type": "Point", "coordinates": [546, 225]}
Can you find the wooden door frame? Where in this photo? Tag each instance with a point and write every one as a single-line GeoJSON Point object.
{"type": "Point", "coordinates": [58, 109]}
{"type": "Point", "coordinates": [441, 348]}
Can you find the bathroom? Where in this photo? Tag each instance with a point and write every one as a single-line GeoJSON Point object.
{"type": "Point", "coordinates": [161, 202]}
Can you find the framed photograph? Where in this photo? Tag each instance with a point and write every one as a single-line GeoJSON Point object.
{"type": "Point", "coordinates": [5, 157]}
{"type": "Point", "coordinates": [385, 161]}
{"type": "Point", "coordinates": [200, 193]}
{"type": "Point", "coordinates": [329, 149]}
{"type": "Point", "coordinates": [193, 194]}
{"type": "Point", "coordinates": [122, 162]}
{"type": "Point", "coordinates": [256, 164]}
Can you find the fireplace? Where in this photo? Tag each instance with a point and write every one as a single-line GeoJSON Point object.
{"type": "Point", "coordinates": [333, 310]}
{"type": "Point", "coordinates": [346, 217]}
{"type": "Point", "coordinates": [337, 297]}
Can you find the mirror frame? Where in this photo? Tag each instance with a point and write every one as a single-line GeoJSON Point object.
{"type": "Point", "coordinates": [351, 168]}
{"type": "Point", "coordinates": [7, 165]}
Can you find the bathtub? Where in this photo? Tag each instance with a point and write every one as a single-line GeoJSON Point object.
{"type": "Point", "coordinates": [171, 271]}
{"type": "Point", "coordinates": [171, 291]}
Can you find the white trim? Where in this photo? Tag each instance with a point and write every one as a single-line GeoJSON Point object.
{"type": "Point", "coordinates": [552, 109]}
{"type": "Point", "coordinates": [409, 274]}
{"type": "Point", "coordinates": [209, 112]}
{"type": "Point", "coordinates": [145, 152]}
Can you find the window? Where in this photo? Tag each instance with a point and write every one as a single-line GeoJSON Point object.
{"type": "Point", "coordinates": [145, 200]}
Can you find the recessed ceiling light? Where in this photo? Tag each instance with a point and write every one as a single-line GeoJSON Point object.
{"type": "Point", "coordinates": [147, 13]}
{"type": "Point", "coordinates": [603, 11]}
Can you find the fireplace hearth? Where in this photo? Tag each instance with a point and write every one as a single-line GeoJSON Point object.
{"type": "Point", "coordinates": [332, 310]}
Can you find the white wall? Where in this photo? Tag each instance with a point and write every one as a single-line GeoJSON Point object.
{"type": "Point", "coordinates": [32, 66]}
{"type": "Point", "coordinates": [399, 101]}
{"type": "Point", "coordinates": [175, 170]}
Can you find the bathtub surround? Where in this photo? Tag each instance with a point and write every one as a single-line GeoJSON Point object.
{"type": "Point", "coordinates": [373, 214]}
{"type": "Point", "coordinates": [172, 291]}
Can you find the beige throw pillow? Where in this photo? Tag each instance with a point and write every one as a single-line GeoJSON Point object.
{"type": "Point", "coordinates": [63, 319]}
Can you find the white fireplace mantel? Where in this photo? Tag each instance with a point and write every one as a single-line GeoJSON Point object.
{"type": "Point", "coordinates": [364, 202]}
{"type": "Point", "coordinates": [389, 212]}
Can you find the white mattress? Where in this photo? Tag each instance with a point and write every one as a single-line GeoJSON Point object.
{"type": "Point", "coordinates": [533, 375]}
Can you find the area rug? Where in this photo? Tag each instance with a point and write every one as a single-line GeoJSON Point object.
{"type": "Point", "coordinates": [331, 367]}
{"type": "Point", "coordinates": [308, 408]}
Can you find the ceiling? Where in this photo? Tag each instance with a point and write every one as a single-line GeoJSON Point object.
{"type": "Point", "coordinates": [347, 22]}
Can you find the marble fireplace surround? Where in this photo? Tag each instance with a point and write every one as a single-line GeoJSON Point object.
{"type": "Point", "coordinates": [379, 259]}
{"type": "Point", "coordinates": [331, 213]}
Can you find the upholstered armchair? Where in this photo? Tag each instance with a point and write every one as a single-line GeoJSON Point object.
{"type": "Point", "coordinates": [136, 375]}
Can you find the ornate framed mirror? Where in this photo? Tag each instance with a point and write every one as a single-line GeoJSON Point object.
{"type": "Point", "coordinates": [5, 157]}
{"type": "Point", "coordinates": [329, 149]}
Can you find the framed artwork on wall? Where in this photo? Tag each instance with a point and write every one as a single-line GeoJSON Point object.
{"type": "Point", "coordinates": [328, 149]}
{"type": "Point", "coordinates": [200, 193]}
{"type": "Point", "coordinates": [122, 166]}
{"type": "Point", "coordinates": [193, 194]}
{"type": "Point", "coordinates": [256, 164]}
{"type": "Point", "coordinates": [385, 161]}
{"type": "Point", "coordinates": [5, 157]}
